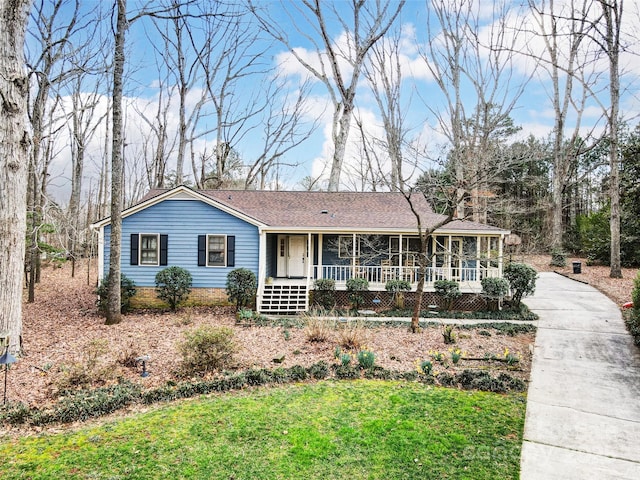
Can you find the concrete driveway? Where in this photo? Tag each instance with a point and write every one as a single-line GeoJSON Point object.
{"type": "Point", "coordinates": [583, 406]}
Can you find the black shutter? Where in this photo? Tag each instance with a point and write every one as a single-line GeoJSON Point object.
{"type": "Point", "coordinates": [133, 260]}
{"type": "Point", "coordinates": [202, 250]}
{"type": "Point", "coordinates": [164, 244]}
{"type": "Point", "coordinates": [231, 251]}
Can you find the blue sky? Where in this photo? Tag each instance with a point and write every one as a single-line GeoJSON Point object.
{"type": "Point", "coordinates": [421, 95]}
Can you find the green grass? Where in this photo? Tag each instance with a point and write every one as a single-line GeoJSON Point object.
{"type": "Point", "coordinates": [328, 430]}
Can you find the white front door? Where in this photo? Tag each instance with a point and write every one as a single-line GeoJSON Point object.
{"type": "Point", "coordinates": [296, 266]}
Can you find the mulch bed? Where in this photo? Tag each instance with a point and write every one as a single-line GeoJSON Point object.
{"type": "Point", "coordinates": [62, 329]}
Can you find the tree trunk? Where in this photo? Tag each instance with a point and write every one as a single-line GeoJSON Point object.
{"type": "Point", "coordinates": [114, 315]}
{"type": "Point", "coordinates": [14, 160]}
{"type": "Point", "coordinates": [613, 13]}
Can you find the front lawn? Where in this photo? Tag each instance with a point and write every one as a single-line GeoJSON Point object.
{"type": "Point", "coordinates": [362, 429]}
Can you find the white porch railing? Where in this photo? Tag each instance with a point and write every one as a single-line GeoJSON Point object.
{"type": "Point", "coordinates": [380, 275]}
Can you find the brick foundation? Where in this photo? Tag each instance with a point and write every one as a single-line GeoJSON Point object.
{"type": "Point", "coordinates": [145, 297]}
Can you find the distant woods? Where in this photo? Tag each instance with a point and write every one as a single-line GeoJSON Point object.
{"type": "Point", "coordinates": [410, 97]}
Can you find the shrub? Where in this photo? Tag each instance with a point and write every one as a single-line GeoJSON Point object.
{"type": "Point", "coordinates": [127, 291]}
{"type": "Point", "coordinates": [319, 370]}
{"type": "Point", "coordinates": [86, 404]}
{"type": "Point", "coordinates": [173, 285]}
{"type": "Point", "coordinates": [324, 292]}
{"type": "Point", "coordinates": [594, 233]}
{"type": "Point", "coordinates": [366, 359]}
{"type": "Point", "coordinates": [91, 369]}
{"type": "Point", "coordinates": [522, 279]}
{"type": "Point", "coordinates": [448, 290]}
{"type": "Point", "coordinates": [632, 318]}
{"type": "Point", "coordinates": [355, 287]}
{"type": "Point", "coordinates": [207, 349]}
{"type": "Point", "coordinates": [256, 377]}
{"type": "Point", "coordinates": [245, 316]}
{"type": "Point", "coordinates": [398, 287]}
{"type": "Point", "coordinates": [15, 413]}
{"type": "Point", "coordinates": [635, 293]}
{"type": "Point", "coordinates": [298, 373]}
{"type": "Point", "coordinates": [494, 290]}
{"type": "Point", "coordinates": [425, 367]}
{"type": "Point", "coordinates": [346, 372]}
{"type": "Point", "coordinates": [449, 334]}
{"type": "Point", "coordinates": [558, 258]}
{"type": "Point", "coordinates": [241, 287]}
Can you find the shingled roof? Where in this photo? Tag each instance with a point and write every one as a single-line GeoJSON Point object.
{"type": "Point", "coordinates": [334, 210]}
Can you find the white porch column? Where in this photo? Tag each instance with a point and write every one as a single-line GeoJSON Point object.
{"type": "Point", "coordinates": [400, 258]}
{"type": "Point", "coordinates": [449, 258]}
{"type": "Point", "coordinates": [309, 259]}
{"type": "Point", "coordinates": [320, 269]}
{"type": "Point", "coordinates": [353, 255]}
{"type": "Point", "coordinates": [477, 258]}
{"type": "Point", "coordinates": [500, 253]}
{"type": "Point", "coordinates": [100, 254]}
{"type": "Point", "coordinates": [262, 265]}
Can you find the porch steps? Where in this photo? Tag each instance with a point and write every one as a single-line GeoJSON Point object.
{"type": "Point", "coordinates": [284, 299]}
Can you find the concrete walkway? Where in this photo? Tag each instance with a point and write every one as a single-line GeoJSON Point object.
{"type": "Point", "coordinates": [583, 406]}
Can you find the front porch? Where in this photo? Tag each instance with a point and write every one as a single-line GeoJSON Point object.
{"type": "Point", "coordinates": [297, 261]}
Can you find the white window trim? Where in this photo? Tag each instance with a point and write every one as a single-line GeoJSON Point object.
{"type": "Point", "coordinates": [224, 263]}
{"type": "Point", "coordinates": [140, 235]}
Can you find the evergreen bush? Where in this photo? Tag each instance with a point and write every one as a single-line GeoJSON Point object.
{"type": "Point", "coordinates": [173, 285]}
{"type": "Point", "coordinates": [522, 279]}
{"type": "Point", "coordinates": [356, 286]}
{"type": "Point", "coordinates": [494, 290]}
{"type": "Point", "coordinates": [127, 291]}
{"type": "Point", "coordinates": [324, 293]}
{"type": "Point", "coordinates": [241, 287]}
{"type": "Point", "coordinates": [449, 291]}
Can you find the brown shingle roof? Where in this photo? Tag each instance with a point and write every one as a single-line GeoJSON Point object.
{"type": "Point", "coordinates": [345, 210]}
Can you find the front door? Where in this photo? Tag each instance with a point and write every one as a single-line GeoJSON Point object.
{"type": "Point", "coordinates": [296, 263]}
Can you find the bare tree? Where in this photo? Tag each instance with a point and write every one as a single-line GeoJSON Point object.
{"type": "Point", "coordinates": [472, 62]}
{"type": "Point", "coordinates": [384, 73]}
{"type": "Point", "coordinates": [113, 313]}
{"type": "Point", "coordinates": [14, 160]}
{"type": "Point", "coordinates": [612, 13]}
{"type": "Point", "coordinates": [565, 60]}
{"type": "Point", "coordinates": [83, 125]}
{"type": "Point", "coordinates": [52, 29]}
{"type": "Point", "coordinates": [283, 128]}
{"type": "Point", "coordinates": [338, 63]}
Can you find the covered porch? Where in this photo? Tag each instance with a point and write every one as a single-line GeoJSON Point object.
{"type": "Point", "coordinates": [295, 258]}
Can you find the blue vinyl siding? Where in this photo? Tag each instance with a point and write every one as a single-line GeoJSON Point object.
{"type": "Point", "coordinates": [183, 221]}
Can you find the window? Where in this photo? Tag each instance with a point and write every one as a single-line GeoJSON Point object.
{"type": "Point", "coordinates": [215, 251]}
{"type": "Point", "coordinates": [149, 249]}
{"type": "Point", "coordinates": [346, 247]}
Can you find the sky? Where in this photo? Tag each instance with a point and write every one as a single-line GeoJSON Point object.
{"type": "Point", "coordinates": [525, 83]}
